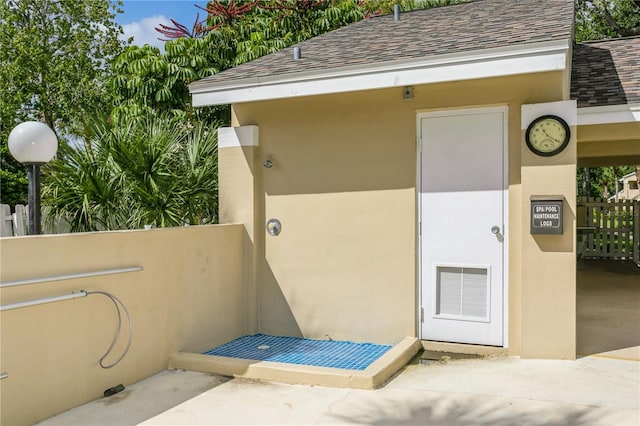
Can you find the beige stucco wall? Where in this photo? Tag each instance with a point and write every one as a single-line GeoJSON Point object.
{"type": "Point", "coordinates": [548, 311]}
{"type": "Point", "coordinates": [189, 297]}
{"type": "Point", "coordinates": [343, 185]}
{"type": "Point", "coordinates": [609, 144]}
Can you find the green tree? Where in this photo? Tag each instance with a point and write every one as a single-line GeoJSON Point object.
{"type": "Point", "coordinates": [600, 182]}
{"type": "Point", "coordinates": [602, 19]}
{"type": "Point", "coordinates": [597, 20]}
{"type": "Point", "coordinates": [149, 170]}
{"type": "Point", "coordinates": [146, 81]}
{"type": "Point", "coordinates": [231, 33]}
{"type": "Point", "coordinates": [54, 57]}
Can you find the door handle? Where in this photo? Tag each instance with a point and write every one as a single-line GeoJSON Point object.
{"type": "Point", "coordinates": [495, 230]}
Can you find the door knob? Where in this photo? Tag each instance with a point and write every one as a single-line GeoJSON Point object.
{"type": "Point", "coordinates": [495, 230]}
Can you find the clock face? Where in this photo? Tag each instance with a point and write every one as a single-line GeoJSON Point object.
{"type": "Point", "coordinates": [547, 135]}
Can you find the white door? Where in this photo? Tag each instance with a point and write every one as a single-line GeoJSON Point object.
{"type": "Point", "coordinates": [463, 200]}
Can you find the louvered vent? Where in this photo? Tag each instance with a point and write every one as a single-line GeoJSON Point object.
{"type": "Point", "coordinates": [462, 292]}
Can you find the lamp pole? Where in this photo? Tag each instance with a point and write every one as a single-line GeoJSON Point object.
{"type": "Point", "coordinates": [35, 220]}
{"type": "Point", "coordinates": [33, 143]}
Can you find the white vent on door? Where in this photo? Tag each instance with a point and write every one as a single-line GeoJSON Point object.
{"type": "Point", "coordinates": [462, 293]}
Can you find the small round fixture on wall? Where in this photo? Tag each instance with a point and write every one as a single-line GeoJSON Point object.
{"type": "Point", "coordinates": [274, 227]}
{"type": "Point", "coordinates": [268, 163]}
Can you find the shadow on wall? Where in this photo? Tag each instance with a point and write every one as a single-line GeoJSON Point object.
{"type": "Point", "coordinates": [331, 163]}
{"type": "Point", "coordinates": [274, 310]}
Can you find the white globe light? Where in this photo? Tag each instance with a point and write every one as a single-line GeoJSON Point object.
{"type": "Point", "coordinates": [33, 142]}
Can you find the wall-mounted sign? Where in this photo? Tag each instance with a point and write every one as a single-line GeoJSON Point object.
{"type": "Point", "coordinates": [546, 215]}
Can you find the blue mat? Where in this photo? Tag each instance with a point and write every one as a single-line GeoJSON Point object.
{"type": "Point", "coordinates": [295, 350]}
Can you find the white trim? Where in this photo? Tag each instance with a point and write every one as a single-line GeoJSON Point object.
{"type": "Point", "coordinates": [628, 113]}
{"type": "Point", "coordinates": [233, 137]}
{"type": "Point", "coordinates": [563, 109]}
{"type": "Point", "coordinates": [524, 59]}
{"type": "Point", "coordinates": [505, 209]}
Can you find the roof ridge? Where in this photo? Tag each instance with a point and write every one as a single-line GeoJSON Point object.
{"type": "Point", "coordinates": [404, 12]}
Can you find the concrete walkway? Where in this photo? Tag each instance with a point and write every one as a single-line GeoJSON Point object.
{"type": "Point", "coordinates": [505, 391]}
{"type": "Point", "coordinates": [608, 309]}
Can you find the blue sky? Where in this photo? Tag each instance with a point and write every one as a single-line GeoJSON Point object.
{"type": "Point", "coordinates": [141, 16]}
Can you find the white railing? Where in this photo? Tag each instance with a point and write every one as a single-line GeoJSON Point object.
{"type": "Point", "coordinates": [609, 230]}
{"type": "Point", "coordinates": [17, 223]}
{"type": "Point", "coordinates": [76, 275]}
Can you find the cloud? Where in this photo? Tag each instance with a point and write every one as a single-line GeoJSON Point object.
{"type": "Point", "coordinates": [143, 31]}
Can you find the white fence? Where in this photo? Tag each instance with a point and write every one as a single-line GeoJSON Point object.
{"type": "Point", "coordinates": [17, 223]}
{"type": "Point", "coordinates": [609, 230]}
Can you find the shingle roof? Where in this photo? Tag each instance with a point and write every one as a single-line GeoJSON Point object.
{"type": "Point", "coordinates": [606, 72]}
{"type": "Point", "coordinates": [477, 25]}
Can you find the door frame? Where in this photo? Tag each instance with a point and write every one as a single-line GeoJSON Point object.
{"type": "Point", "coordinates": [420, 114]}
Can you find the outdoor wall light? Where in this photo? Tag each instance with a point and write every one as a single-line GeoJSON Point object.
{"type": "Point", "coordinates": [33, 144]}
{"type": "Point", "coordinates": [274, 227]}
{"type": "Point", "coordinates": [407, 93]}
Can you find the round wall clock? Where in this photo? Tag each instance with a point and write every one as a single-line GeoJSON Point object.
{"type": "Point", "coordinates": [548, 135]}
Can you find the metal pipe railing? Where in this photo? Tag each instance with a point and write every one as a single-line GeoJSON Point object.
{"type": "Point", "coordinates": [44, 300]}
{"type": "Point", "coordinates": [12, 283]}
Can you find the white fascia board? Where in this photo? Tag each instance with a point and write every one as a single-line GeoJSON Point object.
{"type": "Point", "coordinates": [564, 109]}
{"type": "Point", "coordinates": [534, 58]}
{"type": "Point", "coordinates": [628, 113]}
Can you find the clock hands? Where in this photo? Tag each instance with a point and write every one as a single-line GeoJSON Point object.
{"type": "Point", "coordinates": [549, 136]}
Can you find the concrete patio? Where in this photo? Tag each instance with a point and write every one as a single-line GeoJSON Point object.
{"type": "Point", "coordinates": [501, 391]}
{"type": "Point", "coordinates": [608, 309]}
{"type": "Point", "coordinates": [601, 387]}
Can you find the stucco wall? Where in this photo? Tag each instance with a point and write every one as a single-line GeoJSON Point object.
{"type": "Point", "coordinates": [189, 297]}
{"type": "Point", "coordinates": [609, 144]}
{"type": "Point", "coordinates": [343, 183]}
{"type": "Point", "coordinates": [549, 272]}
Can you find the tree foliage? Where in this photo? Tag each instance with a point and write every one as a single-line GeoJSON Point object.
{"type": "Point", "coordinates": [601, 182]}
{"type": "Point", "coordinates": [602, 19]}
{"type": "Point", "coordinates": [146, 81]}
{"type": "Point", "coordinates": [232, 32]}
{"type": "Point", "coordinates": [54, 57]}
{"type": "Point", "coordinates": [149, 170]}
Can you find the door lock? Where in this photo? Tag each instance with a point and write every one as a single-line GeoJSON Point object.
{"type": "Point", "coordinates": [495, 230]}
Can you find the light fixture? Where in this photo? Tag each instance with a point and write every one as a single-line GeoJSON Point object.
{"type": "Point", "coordinates": [274, 227]}
{"type": "Point", "coordinates": [268, 163]}
{"type": "Point", "coordinates": [33, 144]}
{"type": "Point", "coordinates": [407, 92]}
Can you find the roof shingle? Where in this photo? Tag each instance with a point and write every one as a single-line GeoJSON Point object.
{"type": "Point", "coordinates": [477, 25]}
{"type": "Point", "coordinates": [606, 72]}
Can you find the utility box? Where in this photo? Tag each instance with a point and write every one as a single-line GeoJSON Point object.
{"type": "Point", "coordinates": [546, 214]}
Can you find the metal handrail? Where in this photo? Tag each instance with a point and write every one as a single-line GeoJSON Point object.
{"type": "Point", "coordinates": [12, 283]}
{"type": "Point", "coordinates": [34, 302]}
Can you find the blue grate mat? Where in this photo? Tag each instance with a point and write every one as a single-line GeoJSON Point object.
{"type": "Point", "coordinates": [295, 350]}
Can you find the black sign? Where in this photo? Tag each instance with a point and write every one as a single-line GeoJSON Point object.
{"type": "Point", "coordinates": [546, 216]}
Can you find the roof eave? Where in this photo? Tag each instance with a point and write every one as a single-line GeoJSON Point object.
{"type": "Point", "coordinates": [497, 62]}
{"type": "Point", "coordinates": [609, 114]}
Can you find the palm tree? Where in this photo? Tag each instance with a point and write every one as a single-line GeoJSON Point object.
{"type": "Point", "coordinates": [150, 170]}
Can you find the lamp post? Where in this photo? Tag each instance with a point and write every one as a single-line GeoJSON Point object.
{"type": "Point", "coordinates": [33, 144]}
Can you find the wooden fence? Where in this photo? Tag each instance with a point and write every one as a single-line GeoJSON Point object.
{"type": "Point", "coordinates": [609, 230]}
{"type": "Point", "coordinates": [17, 223]}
